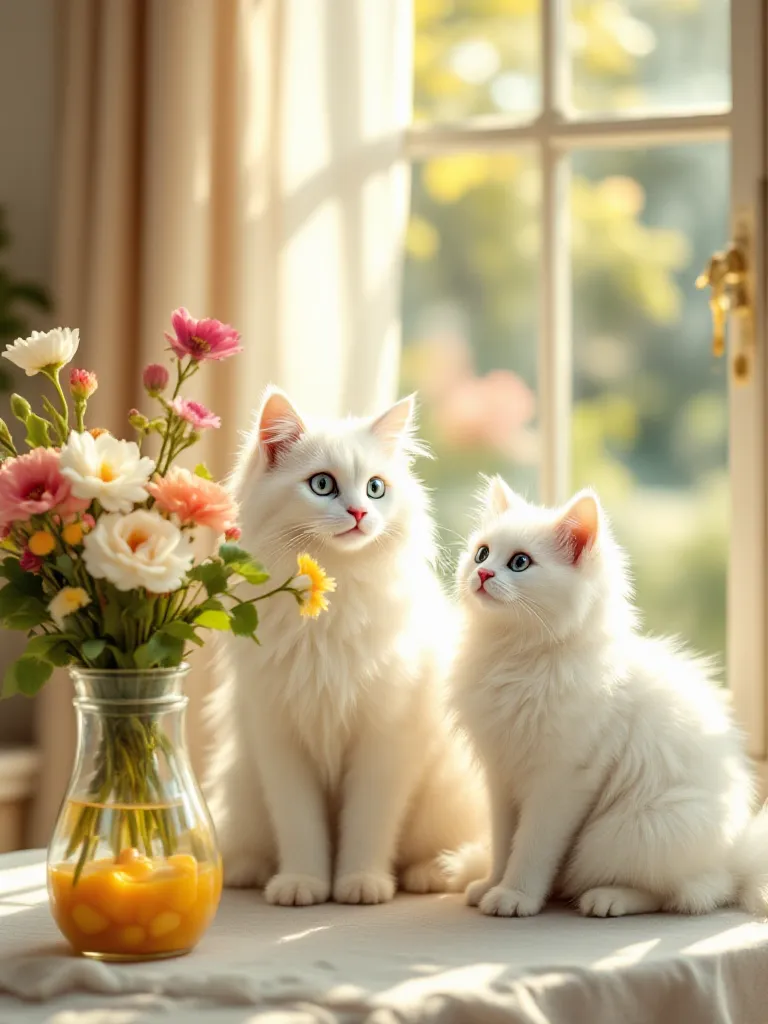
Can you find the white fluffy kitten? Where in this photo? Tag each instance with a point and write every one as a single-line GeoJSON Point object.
{"type": "Point", "coordinates": [616, 776]}
{"type": "Point", "coordinates": [335, 769]}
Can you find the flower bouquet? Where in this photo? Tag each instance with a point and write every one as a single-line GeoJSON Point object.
{"type": "Point", "coordinates": [98, 555]}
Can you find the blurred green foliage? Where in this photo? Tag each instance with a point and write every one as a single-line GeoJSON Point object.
{"type": "Point", "coordinates": [649, 423]}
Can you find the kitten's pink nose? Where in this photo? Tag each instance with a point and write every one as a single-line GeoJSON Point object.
{"type": "Point", "coordinates": [485, 574]}
{"type": "Point", "coordinates": [358, 513]}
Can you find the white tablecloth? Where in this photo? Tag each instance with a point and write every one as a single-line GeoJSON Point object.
{"type": "Point", "coordinates": [418, 959]}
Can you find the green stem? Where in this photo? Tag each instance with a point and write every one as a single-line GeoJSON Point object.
{"type": "Point", "coordinates": [80, 416]}
{"type": "Point", "coordinates": [53, 376]}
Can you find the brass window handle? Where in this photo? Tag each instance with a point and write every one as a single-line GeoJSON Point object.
{"type": "Point", "coordinates": [728, 279]}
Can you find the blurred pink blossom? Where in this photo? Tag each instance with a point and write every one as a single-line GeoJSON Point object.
{"type": "Point", "coordinates": [195, 413]}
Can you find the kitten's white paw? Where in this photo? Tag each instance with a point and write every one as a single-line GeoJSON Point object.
{"type": "Point", "coordinates": [428, 876]}
{"type": "Point", "coordinates": [364, 887]}
{"type": "Point", "coordinates": [296, 890]}
{"type": "Point", "coordinates": [502, 902]}
{"type": "Point", "coordinates": [616, 901]}
{"type": "Point", "coordinates": [476, 890]}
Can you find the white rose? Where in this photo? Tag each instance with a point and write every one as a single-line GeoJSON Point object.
{"type": "Point", "coordinates": [138, 550]}
{"type": "Point", "coordinates": [42, 350]}
{"type": "Point", "coordinates": [102, 467]}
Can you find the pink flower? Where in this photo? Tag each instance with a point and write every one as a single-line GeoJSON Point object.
{"type": "Point", "coordinates": [194, 413]}
{"type": "Point", "coordinates": [32, 484]}
{"type": "Point", "coordinates": [29, 562]}
{"type": "Point", "coordinates": [202, 339]}
{"type": "Point", "coordinates": [82, 384]}
{"type": "Point", "coordinates": [234, 533]}
{"type": "Point", "coordinates": [194, 500]}
{"type": "Point", "coordinates": [155, 379]}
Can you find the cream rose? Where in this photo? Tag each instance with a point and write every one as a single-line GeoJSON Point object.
{"type": "Point", "coordinates": [140, 549]}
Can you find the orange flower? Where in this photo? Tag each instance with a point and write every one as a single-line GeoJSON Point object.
{"type": "Point", "coordinates": [195, 500]}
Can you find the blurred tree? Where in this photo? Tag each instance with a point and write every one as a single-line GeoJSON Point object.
{"type": "Point", "coordinates": [15, 295]}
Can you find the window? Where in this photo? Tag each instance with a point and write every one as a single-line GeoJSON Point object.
{"type": "Point", "coordinates": [574, 166]}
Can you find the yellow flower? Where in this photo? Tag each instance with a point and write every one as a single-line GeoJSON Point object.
{"type": "Point", "coordinates": [67, 601]}
{"type": "Point", "coordinates": [72, 534]}
{"type": "Point", "coordinates": [41, 543]}
{"type": "Point", "coordinates": [313, 584]}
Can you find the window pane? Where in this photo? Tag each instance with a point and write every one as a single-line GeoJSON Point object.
{"type": "Point", "coordinates": [470, 322]}
{"type": "Point", "coordinates": [650, 414]}
{"type": "Point", "coordinates": [473, 58]}
{"type": "Point", "coordinates": [649, 56]}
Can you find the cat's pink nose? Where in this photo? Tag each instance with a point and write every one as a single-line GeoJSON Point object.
{"type": "Point", "coordinates": [485, 574]}
{"type": "Point", "coordinates": [358, 513]}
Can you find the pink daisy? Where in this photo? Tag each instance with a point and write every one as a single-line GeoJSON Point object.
{"type": "Point", "coordinates": [202, 339]}
{"type": "Point", "coordinates": [195, 413]}
{"type": "Point", "coordinates": [32, 484]}
{"type": "Point", "coordinates": [194, 500]}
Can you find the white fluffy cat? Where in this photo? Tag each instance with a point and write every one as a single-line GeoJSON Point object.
{"type": "Point", "coordinates": [335, 770]}
{"type": "Point", "coordinates": [616, 776]}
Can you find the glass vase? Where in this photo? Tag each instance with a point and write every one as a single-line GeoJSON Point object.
{"type": "Point", "coordinates": [134, 872]}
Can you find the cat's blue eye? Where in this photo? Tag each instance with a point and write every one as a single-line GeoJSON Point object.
{"type": "Point", "coordinates": [482, 553]}
{"type": "Point", "coordinates": [376, 487]}
{"type": "Point", "coordinates": [519, 562]}
{"type": "Point", "coordinates": [323, 484]}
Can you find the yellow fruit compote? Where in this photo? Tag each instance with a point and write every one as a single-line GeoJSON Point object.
{"type": "Point", "coordinates": [134, 907]}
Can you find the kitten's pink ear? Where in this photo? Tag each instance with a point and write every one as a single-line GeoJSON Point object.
{"type": "Point", "coordinates": [280, 426]}
{"type": "Point", "coordinates": [499, 497]}
{"type": "Point", "coordinates": [394, 425]}
{"type": "Point", "coordinates": [579, 524]}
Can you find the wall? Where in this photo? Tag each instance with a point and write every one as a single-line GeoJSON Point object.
{"type": "Point", "coordinates": [27, 105]}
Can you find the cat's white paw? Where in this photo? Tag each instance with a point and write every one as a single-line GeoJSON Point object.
{"type": "Point", "coordinates": [502, 902]}
{"type": "Point", "coordinates": [428, 876]}
{"type": "Point", "coordinates": [296, 890]}
{"type": "Point", "coordinates": [602, 903]}
{"type": "Point", "coordinates": [476, 890]}
{"type": "Point", "coordinates": [364, 887]}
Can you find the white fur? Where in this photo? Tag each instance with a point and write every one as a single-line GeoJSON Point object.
{"type": "Point", "coordinates": [616, 776]}
{"type": "Point", "coordinates": [335, 771]}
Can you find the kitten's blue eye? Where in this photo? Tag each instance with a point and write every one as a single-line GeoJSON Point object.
{"type": "Point", "coordinates": [482, 553]}
{"type": "Point", "coordinates": [519, 562]}
{"type": "Point", "coordinates": [323, 484]}
{"type": "Point", "coordinates": [376, 487]}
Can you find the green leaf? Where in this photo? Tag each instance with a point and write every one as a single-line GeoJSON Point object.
{"type": "Point", "coordinates": [233, 553]}
{"type": "Point", "coordinates": [58, 420]}
{"type": "Point", "coordinates": [202, 470]}
{"type": "Point", "coordinates": [59, 655]}
{"type": "Point", "coordinates": [27, 583]}
{"type": "Point", "coordinates": [31, 674]}
{"type": "Point", "coordinates": [45, 642]}
{"type": "Point", "coordinates": [160, 649]}
{"type": "Point", "coordinates": [93, 648]}
{"type": "Point", "coordinates": [10, 686]}
{"type": "Point", "coordinates": [26, 613]}
{"type": "Point", "coordinates": [183, 630]}
{"type": "Point", "coordinates": [37, 432]}
{"type": "Point", "coordinates": [66, 567]}
{"type": "Point", "coordinates": [245, 619]}
{"type": "Point", "coordinates": [213, 620]}
{"type": "Point", "coordinates": [252, 572]}
{"type": "Point", "coordinates": [213, 576]}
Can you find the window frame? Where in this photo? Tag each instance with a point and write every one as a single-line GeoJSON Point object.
{"type": "Point", "coordinates": [555, 135]}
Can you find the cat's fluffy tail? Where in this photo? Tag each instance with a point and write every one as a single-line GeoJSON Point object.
{"type": "Point", "coordinates": [470, 862]}
{"type": "Point", "coordinates": [751, 866]}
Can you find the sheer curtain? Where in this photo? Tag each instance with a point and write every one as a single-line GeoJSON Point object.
{"type": "Point", "coordinates": [242, 158]}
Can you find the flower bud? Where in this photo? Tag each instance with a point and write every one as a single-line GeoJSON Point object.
{"type": "Point", "coordinates": [82, 384]}
{"type": "Point", "coordinates": [20, 408]}
{"type": "Point", "coordinates": [234, 533]}
{"type": "Point", "coordinates": [155, 379]}
{"type": "Point", "coordinates": [138, 420]}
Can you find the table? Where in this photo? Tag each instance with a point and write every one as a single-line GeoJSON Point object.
{"type": "Point", "coordinates": [420, 958]}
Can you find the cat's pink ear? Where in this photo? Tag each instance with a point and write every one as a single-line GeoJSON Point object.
{"type": "Point", "coordinates": [280, 426]}
{"type": "Point", "coordinates": [499, 497]}
{"type": "Point", "coordinates": [579, 524]}
{"type": "Point", "coordinates": [396, 424]}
